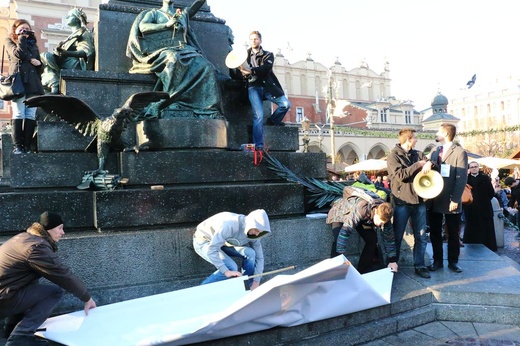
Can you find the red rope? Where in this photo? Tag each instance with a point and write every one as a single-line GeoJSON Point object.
{"type": "Point", "coordinates": [259, 156]}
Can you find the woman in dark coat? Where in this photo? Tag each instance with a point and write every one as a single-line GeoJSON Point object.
{"type": "Point", "coordinates": [480, 228]}
{"type": "Point", "coordinates": [24, 57]}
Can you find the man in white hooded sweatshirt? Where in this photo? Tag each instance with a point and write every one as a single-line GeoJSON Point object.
{"type": "Point", "coordinates": [227, 235]}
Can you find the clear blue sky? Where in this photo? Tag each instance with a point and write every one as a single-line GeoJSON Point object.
{"type": "Point", "coordinates": [430, 45]}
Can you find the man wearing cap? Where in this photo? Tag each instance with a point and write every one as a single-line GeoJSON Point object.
{"type": "Point", "coordinates": [226, 235]}
{"type": "Point", "coordinates": [24, 259]}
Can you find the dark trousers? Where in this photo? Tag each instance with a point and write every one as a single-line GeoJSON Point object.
{"type": "Point", "coordinates": [452, 233]}
{"type": "Point", "coordinates": [335, 234]}
{"type": "Point", "coordinates": [370, 250]}
{"type": "Point", "coordinates": [34, 304]}
{"type": "Point", "coordinates": [369, 254]}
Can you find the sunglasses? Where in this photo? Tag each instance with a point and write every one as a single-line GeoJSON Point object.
{"type": "Point", "coordinates": [473, 166]}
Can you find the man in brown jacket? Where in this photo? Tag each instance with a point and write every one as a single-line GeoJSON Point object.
{"type": "Point", "coordinates": [24, 259]}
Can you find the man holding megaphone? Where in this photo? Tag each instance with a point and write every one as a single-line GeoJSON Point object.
{"type": "Point", "coordinates": [262, 84]}
{"type": "Point", "coordinates": [404, 163]}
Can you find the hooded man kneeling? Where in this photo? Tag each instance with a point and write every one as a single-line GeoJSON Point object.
{"type": "Point", "coordinates": [226, 235]}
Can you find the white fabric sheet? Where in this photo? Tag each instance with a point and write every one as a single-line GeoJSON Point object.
{"type": "Point", "coordinates": [330, 288]}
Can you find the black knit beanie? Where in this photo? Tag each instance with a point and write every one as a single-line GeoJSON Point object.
{"type": "Point", "coordinates": [50, 220]}
{"type": "Point", "coordinates": [509, 181]}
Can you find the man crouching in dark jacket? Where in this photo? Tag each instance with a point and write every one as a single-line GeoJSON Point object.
{"type": "Point", "coordinates": [24, 259]}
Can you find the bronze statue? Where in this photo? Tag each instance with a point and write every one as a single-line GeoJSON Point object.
{"type": "Point", "coordinates": [107, 132]}
{"type": "Point", "coordinates": [75, 53]}
{"type": "Point", "coordinates": [161, 42]}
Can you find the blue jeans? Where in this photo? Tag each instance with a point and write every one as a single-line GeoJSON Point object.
{"type": "Point", "coordinates": [34, 304]}
{"type": "Point", "coordinates": [402, 214]}
{"type": "Point", "coordinates": [245, 253]}
{"type": "Point", "coordinates": [20, 111]}
{"type": "Point", "coordinates": [257, 95]}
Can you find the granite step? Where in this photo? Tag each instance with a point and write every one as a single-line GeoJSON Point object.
{"type": "Point", "coordinates": [486, 293]}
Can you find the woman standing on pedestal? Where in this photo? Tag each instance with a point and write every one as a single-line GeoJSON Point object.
{"type": "Point", "coordinates": [24, 57]}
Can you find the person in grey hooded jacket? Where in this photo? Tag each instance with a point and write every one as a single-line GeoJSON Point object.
{"type": "Point", "coordinates": [226, 235]}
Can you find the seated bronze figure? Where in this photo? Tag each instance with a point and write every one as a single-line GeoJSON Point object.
{"type": "Point", "coordinates": [162, 42]}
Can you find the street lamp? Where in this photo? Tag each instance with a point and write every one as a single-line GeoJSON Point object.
{"type": "Point", "coordinates": [320, 133]}
{"type": "Point", "coordinates": [331, 106]}
{"type": "Point", "coordinates": [306, 125]}
{"type": "Point", "coordinates": [330, 112]}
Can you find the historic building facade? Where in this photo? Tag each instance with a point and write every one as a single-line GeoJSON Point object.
{"type": "Point", "coordinates": [484, 110]}
{"type": "Point", "coordinates": [365, 116]}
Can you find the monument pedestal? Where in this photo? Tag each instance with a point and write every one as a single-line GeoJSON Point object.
{"type": "Point", "coordinates": [135, 241]}
{"type": "Point", "coordinates": [190, 158]}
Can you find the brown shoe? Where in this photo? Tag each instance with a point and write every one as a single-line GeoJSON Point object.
{"type": "Point", "coordinates": [454, 267]}
{"type": "Point", "coordinates": [422, 272]}
{"type": "Point", "coordinates": [435, 266]}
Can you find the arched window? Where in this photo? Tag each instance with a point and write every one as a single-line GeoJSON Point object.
{"type": "Point", "coordinates": [344, 86]}
{"type": "Point", "coordinates": [288, 83]}
{"type": "Point", "coordinates": [317, 82]}
{"type": "Point", "coordinates": [303, 85]}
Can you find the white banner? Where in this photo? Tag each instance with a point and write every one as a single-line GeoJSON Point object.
{"type": "Point", "coordinates": [330, 288]}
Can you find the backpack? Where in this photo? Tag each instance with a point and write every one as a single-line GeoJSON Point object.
{"type": "Point", "coordinates": [352, 191]}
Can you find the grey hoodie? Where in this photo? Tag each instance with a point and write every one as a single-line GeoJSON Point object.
{"type": "Point", "coordinates": [231, 229]}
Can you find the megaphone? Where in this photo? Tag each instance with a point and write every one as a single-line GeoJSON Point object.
{"type": "Point", "coordinates": [428, 185]}
{"type": "Point", "coordinates": [236, 58]}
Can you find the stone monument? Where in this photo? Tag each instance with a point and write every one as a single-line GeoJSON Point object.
{"type": "Point", "coordinates": [144, 234]}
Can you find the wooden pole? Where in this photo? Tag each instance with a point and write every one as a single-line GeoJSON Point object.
{"type": "Point", "coordinates": [271, 272]}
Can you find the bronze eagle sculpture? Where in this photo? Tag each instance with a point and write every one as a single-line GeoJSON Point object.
{"type": "Point", "coordinates": [106, 131]}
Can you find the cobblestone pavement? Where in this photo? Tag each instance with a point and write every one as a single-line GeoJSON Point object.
{"type": "Point", "coordinates": [479, 342]}
{"type": "Point", "coordinates": [511, 247]}
{"type": "Point", "coordinates": [500, 335]}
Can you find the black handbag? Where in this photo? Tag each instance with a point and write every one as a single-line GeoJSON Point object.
{"type": "Point", "coordinates": [11, 87]}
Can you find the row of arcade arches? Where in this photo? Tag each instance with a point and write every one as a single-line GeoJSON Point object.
{"type": "Point", "coordinates": [351, 153]}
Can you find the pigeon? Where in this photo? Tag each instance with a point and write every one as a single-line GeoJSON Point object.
{"type": "Point", "coordinates": [106, 131]}
{"type": "Point", "coordinates": [471, 82]}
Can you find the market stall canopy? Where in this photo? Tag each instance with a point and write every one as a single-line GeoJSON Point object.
{"type": "Point", "coordinates": [497, 162]}
{"type": "Point", "coordinates": [367, 165]}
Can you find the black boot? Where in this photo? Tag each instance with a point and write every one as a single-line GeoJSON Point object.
{"type": "Point", "coordinates": [25, 340]}
{"type": "Point", "coordinates": [11, 322]}
{"type": "Point", "coordinates": [17, 134]}
{"type": "Point", "coordinates": [28, 132]}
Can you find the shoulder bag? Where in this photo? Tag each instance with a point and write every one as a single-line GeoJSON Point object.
{"type": "Point", "coordinates": [467, 196]}
{"type": "Point", "coordinates": [11, 87]}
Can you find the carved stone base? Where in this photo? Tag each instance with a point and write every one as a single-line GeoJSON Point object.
{"type": "Point", "coordinates": [182, 133]}
{"type": "Point", "coordinates": [22, 208]}
{"type": "Point", "coordinates": [211, 167]}
{"type": "Point", "coordinates": [187, 204]}
{"type": "Point", "coordinates": [58, 169]}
